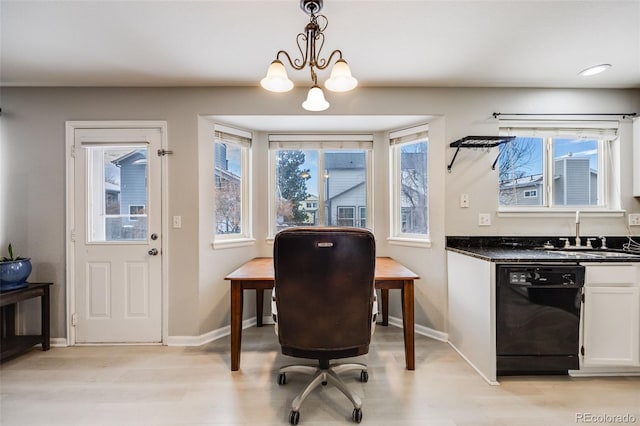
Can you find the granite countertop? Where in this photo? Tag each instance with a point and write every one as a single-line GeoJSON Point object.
{"type": "Point", "coordinates": [527, 249]}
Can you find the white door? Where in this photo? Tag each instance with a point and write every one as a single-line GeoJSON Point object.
{"type": "Point", "coordinates": [116, 235]}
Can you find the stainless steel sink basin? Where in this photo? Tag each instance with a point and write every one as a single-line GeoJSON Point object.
{"type": "Point", "coordinates": [596, 254]}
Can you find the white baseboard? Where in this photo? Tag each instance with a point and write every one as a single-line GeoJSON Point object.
{"type": "Point", "coordinates": [58, 342]}
{"type": "Point", "coordinates": [207, 337]}
{"type": "Point", "coordinates": [422, 330]}
{"type": "Point", "coordinates": [226, 330]}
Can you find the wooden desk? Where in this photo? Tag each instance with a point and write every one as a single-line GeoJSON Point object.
{"type": "Point", "coordinates": [258, 274]}
{"type": "Point", "coordinates": [13, 344]}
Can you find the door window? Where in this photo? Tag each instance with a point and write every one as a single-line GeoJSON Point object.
{"type": "Point", "coordinates": [117, 193]}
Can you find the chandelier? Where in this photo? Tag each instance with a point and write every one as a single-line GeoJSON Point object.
{"type": "Point", "coordinates": [310, 44]}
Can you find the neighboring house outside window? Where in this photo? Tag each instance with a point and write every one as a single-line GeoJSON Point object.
{"type": "Point", "coordinates": [231, 183]}
{"type": "Point", "coordinates": [346, 216]}
{"type": "Point", "coordinates": [320, 180]}
{"type": "Point", "coordinates": [547, 168]}
{"type": "Point", "coordinates": [409, 185]}
{"type": "Point", "coordinates": [362, 217]}
{"type": "Point", "coordinates": [131, 222]}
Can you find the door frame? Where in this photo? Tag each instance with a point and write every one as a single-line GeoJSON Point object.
{"type": "Point", "coordinates": [70, 127]}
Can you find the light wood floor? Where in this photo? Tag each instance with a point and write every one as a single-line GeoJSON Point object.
{"type": "Point", "coordinates": [156, 385]}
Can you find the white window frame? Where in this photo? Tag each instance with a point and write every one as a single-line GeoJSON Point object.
{"type": "Point", "coordinates": [135, 216]}
{"type": "Point", "coordinates": [243, 140]}
{"type": "Point", "coordinates": [346, 208]}
{"type": "Point", "coordinates": [396, 140]}
{"type": "Point", "coordinates": [320, 142]}
{"type": "Point", "coordinates": [605, 132]}
{"type": "Point", "coordinates": [530, 193]}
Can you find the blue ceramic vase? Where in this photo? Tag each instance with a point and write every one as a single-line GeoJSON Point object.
{"type": "Point", "coordinates": [14, 274]}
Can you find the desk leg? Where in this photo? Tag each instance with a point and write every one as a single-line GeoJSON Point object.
{"type": "Point", "coordinates": [259, 306]}
{"type": "Point", "coordinates": [236, 323]}
{"type": "Point", "coordinates": [45, 314]}
{"type": "Point", "coordinates": [408, 324]}
{"type": "Point", "coordinates": [384, 293]}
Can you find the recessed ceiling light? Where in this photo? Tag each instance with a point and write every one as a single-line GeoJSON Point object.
{"type": "Point", "coordinates": [596, 69]}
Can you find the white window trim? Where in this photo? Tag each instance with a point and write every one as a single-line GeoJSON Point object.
{"type": "Point", "coordinates": [245, 237]}
{"type": "Point", "coordinates": [404, 136]}
{"type": "Point", "coordinates": [606, 132]}
{"type": "Point", "coordinates": [320, 142]}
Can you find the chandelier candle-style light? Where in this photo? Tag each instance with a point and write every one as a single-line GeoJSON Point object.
{"type": "Point", "coordinates": [340, 80]}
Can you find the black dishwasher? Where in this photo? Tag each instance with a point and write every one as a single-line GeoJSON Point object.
{"type": "Point", "coordinates": [538, 318]}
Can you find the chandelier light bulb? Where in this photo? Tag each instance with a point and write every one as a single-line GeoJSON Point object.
{"type": "Point", "coordinates": [315, 100]}
{"type": "Point", "coordinates": [311, 56]}
{"type": "Point", "coordinates": [341, 79]}
{"type": "Point", "coordinates": [277, 79]}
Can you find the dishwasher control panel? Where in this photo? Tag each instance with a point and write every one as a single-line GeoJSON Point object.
{"type": "Point", "coordinates": [540, 275]}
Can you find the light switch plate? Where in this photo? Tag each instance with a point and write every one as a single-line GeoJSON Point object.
{"type": "Point", "coordinates": [484, 219]}
{"type": "Point", "coordinates": [634, 219]}
{"type": "Point", "coordinates": [177, 221]}
{"type": "Point", "coordinates": [464, 200]}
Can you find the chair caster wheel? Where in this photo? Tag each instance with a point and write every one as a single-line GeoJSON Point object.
{"type": "Point", "coordinates": [364, 376]}
{"type": "Point", "coordinates": [294, 417]}
{"type": "Point", "coordinates": [357, 415]}
{"type": "Point", "coordinates": [282, 379]}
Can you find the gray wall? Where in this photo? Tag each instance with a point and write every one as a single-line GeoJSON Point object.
{"type": "Point", "coordinates": [32, 180]}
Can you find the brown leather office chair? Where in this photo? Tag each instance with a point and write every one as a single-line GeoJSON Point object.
{"type": "Point", "coordinates": [324, 295]}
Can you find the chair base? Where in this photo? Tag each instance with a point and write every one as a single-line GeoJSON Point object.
{"type": "Point", "coordinates": [323, 374]}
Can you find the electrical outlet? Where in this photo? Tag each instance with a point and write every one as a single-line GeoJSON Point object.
{"type": "Point", "coordinates": [634, 219]}
{"type": "Point", "coordinates": [484, 219]}
{"type": "Point", "coordinates": [464, 200]}
{"type": "Point", "coordinates": [177, 221]}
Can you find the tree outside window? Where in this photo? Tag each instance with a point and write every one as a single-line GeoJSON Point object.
{"type": "Point", "coordinates": [551, 172]}
{"type": "Point", "coordinates": [314, 185]}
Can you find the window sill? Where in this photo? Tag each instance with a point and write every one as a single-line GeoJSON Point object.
{"type": "Point", "coordinates": [529, 212]}
{"type": "Point", "coordinates": [409, 242]}
{"type": "Point", "coordinates": [239, 242]}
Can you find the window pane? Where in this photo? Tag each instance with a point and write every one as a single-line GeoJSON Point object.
{"type": "Point", "coordinates": [345, 184]}
{"type": "Point", "coordinates": [413, 188]}
{"type": "Point", "coordinates": [117, 193]}
{"type": "Point", "coordinates": [228, 188]}
{"type": "Point", "coordinates": [346, 216]}
{"type": "Point", "coordinates": [521, 172]}
{"type": "Point", "coordinates": [320, 187]}
{"type": "Point", "coordinates": [575, 172]}
{"type": "Point", "coordinates": [296, 188]}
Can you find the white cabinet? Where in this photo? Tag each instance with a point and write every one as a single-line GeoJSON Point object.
{"type": "Point", "coordinates": [611, 317]}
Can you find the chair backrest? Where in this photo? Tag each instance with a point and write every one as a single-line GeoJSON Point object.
{"type": "Point", "coordinates": [324, 287]}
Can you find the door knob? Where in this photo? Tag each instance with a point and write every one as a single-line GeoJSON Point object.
{"type": "Point", "coordinates": [153, 252]}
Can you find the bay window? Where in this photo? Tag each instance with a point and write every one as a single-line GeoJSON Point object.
{"type": "Point", "coordinates": [320, 180]}
{"type": "Point", "coordinates": [231, 183]}
{"type": "Point", "coordinates": [408, 183]}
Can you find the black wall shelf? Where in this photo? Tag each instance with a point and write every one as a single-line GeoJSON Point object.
{"type": "Point", "coordinates": [483, 142]}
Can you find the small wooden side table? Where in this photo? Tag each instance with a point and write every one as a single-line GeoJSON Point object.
{"type": "Point", "coordinates": [12, 344]}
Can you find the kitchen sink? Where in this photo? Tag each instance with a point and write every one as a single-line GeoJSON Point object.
{"type": "Point", "coordinates": [596, 254]}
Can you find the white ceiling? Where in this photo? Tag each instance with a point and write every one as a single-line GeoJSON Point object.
{"type": "Point", "coordinates": [498, 43]}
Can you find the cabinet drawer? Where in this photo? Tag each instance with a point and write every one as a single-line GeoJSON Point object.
{"type": "Point", "coordinates": [627, 274]}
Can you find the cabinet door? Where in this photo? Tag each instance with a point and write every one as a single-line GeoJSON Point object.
{"type": "Point", "coordinates": [612, 326]}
